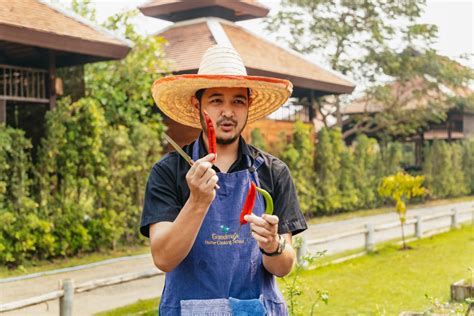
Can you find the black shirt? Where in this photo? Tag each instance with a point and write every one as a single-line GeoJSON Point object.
{"type": "Point", "coordinates": [167, 190]}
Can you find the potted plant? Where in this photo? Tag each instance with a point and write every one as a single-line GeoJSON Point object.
{"type": "Point", "coordinates": [463, 289]}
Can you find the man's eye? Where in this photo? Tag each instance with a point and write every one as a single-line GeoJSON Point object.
{"type": "Point", "coordinates": [239, 101]}
{"type": "Point", "coordinates": [215, 101]}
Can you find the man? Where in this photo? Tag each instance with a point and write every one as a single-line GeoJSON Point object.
{"type": "Point", "coordinates": [191, 214]}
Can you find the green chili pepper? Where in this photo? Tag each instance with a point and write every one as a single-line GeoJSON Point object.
{"type": "Point", "coordinates": [268, 201]}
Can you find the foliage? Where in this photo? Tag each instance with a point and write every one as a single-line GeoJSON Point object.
{"type": "Point", "coordinates": [70, 166]}
{"type": "Point", "coordinates": [366, 155]}
{"type": "Point", "coordinates": [85, 192]}
{"type": "Point", "coordinates": [438, 307]}
{"type": "Point", "coordinates": [402, 187]}
{"type": "Point", "coordinates": [443, 168]}
{"type": "Point", "coordinates": [22, 233]}
{"type": "Point", "coordinates": [127, 81]}
{"type": "Point", "coordinates": [299, 156]}
{"type": "Point", "coordinates": [294, 289]}
{"type": "Point", "coordinates": [257, 139]}
{"type": "Point", "coordinates": [327, 168]}
{"type": "Point", "coordinates": [468, 164]}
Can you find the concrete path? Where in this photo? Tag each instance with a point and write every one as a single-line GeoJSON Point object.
{"type": "Point", "coordinates": [119, 295]}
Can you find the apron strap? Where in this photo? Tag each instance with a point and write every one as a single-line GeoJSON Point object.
{"type": "Point", "coordinates": [196, 150]}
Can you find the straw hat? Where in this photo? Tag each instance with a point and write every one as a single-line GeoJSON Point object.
{"type": "Point", "coordinates": [220, 66]}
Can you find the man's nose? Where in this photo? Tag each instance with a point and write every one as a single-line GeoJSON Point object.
{"type": "Point", "coordinates": [227, 110]}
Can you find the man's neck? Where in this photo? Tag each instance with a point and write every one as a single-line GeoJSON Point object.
{"type": "Point", "coordinates": [226, 154]}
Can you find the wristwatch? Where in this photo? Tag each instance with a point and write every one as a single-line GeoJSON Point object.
{"type": "Point", "coordinates": [279, 250]}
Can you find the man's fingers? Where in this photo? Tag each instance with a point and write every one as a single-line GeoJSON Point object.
{"type": "Point", "coordinates": [272, 219]}
{"type": "Point", "coordinates": [208, 174]}
{"type": "Point", "coordinates": [262, 231]}
{"type": "Point", "coordinates": [209, 158]}
{"type": "Point", "coordinates": [266, 220]}
{"type": "Point", "coordinates": [259, 238]}
{"type": "Point", "coordinates": [202, 169]}
{"type": "Point", "coordinates": [212, 181]}
{"type": "Point", "coordinates": [196, 165]}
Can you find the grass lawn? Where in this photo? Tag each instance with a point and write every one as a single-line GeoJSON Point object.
{"type": "Point", "coordinates": [383, 283]}
{"type": "Point", "coordinates": [142, 308]}
{"type": "Point", "coordinates": [391, 281]}
{"type": "Point", "coordinates": [384, 210]}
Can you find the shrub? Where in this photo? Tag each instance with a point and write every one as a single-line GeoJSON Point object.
{"type": "Point", "coordinates": [299, 156]}
{"type": "Point", "coordinates": [22, 233]}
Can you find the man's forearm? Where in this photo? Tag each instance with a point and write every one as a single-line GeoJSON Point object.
{"type": "Point", "coordinates": [171, 242]}
{"type": "Point", "coordinates": [281, 265]}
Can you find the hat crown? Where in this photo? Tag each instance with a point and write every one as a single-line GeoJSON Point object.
{"type": "Point", "coordinates": [222, 60]}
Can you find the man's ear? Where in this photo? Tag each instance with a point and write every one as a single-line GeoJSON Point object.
{"type": "Point", "coordinates": [195, 102]}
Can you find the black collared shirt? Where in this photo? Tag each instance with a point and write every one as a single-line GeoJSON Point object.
{"type": "Point", "coordinates": [167, 190]}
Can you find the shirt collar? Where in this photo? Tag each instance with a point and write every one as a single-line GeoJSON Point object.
{"type": "Point", "coordinates": [244, 149]}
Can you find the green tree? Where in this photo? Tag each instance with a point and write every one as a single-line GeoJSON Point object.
{"type": "Point", "coordinates": [457, 172]}
{"type": "Point", "coordinates": [123, 87]}
{"type": "Point", "coordinates": [22, 233]}
{"type": "Point", "coordinates": [374, 41]}
{"type": "Point", "coordinates": [328, 167]}
{"type": "Point", "coordinates": [71, 169]}
{"type": "Point", "coordinates": [299, 156]}
{"type": "Point", "coordinates": [257, 139]}
{"type": "Point", "coordinates": [438, 168]}
{"type": "Point", "coordinates": [468, 164]}
{"type": "Point", "coordinates": [350, 199]}
{"type": "Point", "coordinates": [366, 153]}
{"type": "Point", "coordinates": [392, 156]}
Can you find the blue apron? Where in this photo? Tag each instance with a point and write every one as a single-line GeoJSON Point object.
{"type": "Point", "coordinates": [222, 263]}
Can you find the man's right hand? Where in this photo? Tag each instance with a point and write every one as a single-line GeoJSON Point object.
{"type": "Point", "coordinates": [202, 179]}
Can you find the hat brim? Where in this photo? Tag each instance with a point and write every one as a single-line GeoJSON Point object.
{"type": "Point", "coordinates": [173, 94]}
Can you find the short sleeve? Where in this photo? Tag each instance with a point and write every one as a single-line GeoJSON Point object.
{"type": "Point", "coordinates": [161, 203]}
{"type": "Point", "coordinates": [286, 204]}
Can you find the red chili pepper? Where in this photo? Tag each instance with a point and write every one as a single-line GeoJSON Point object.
{"type": "Point", "coordinates": [211, 134]}
{"type": "Point", "coordinates": [249, 203]}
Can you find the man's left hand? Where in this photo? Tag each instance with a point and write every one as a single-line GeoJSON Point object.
{"type": "Point", "coordinates": [264, 231]}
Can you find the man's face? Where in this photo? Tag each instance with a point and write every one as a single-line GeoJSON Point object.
{"type": "Point", "coordinates": [228, 109]}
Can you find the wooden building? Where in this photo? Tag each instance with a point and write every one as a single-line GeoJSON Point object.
{"type": "Point", "coordinates": [201, 24]}
{"type": "Point", "coordinates": [36, 38]}
{"type": "Point", "coordinates": [458, 125]}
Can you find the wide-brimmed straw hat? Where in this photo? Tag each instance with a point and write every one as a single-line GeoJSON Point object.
{"type": "Point", "coordinates": [221, 66]}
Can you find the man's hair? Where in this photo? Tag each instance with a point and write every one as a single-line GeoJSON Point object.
{"type": "Point", "coordinates": [200, 92]}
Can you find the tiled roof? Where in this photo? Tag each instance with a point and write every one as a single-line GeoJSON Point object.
{"type": "Point", "coordinates": [406, 96]}
{"type": "Point", "coordinates": [234, 10]}
{"type": "Point", "coordinates": [26, 21]}
{"type": "Point", "coordinates": [187, 45]}
{"type": "Point", "coordinates": [189, 40]}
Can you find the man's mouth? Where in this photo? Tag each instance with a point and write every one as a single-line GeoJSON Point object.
{"type": "Point", "coordinates": [227, 126]}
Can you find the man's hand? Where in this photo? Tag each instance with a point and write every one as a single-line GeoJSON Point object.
{"type": "Point", "coordinates": [264, 231]}
{"type": "Point", "coordinates": [202, 179]}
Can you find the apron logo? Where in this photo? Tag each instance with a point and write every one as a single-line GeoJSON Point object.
{"type": "Point", "coordinates": [223, 238]}
{"type": "Point", "coordinates": [225, 229]}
